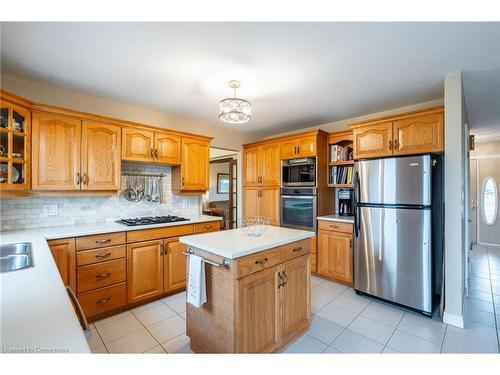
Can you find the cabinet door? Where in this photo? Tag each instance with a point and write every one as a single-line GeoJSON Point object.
{"type": "Point", "coordinates": [64, 254]}
{"type": "Point", "coordinates": [289, 149]}
{"type": "Point", "coordinates": [270, 164]}
{"type": "Point", "coordinates": [174, 264]}
{"type": "Point", "coordinates": [101, 156]}
{"type": "Point", "coordinates": [373, 140]}
{"type": "Point", "coordinates": [194, 164]}
{"type": "Point", "coordinates": [296, 298]}
{"type": "Point", "coordinates": [335, 255]}
{"type": "Point", "coordinates": [307, 146]}
{"type": "Point", "coordinates": [56, 152]}
{"type": "Point", "coordinates": [137, 145]}
{"type": "Point", "coordinates": [251, 166]}
{"type": "Point", "coordinates": [269, 205]}
{"type": "Point", "coordinates": [167, 148]}
{"type": "Point", "coordinates": [419, 134]}
{"type": "Point", "coordinates": [259, 312]}
{"type": "Point", "coordinates": [144, 270]}
{"type": "Point", "coordinates": [251, 201]}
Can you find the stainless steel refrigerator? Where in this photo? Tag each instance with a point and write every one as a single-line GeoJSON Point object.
{"type": "Point", "coordinates": [393, 252]}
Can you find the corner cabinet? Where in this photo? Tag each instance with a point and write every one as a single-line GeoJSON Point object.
{"type": "Point", "coordinates": [412, 133]}
{"type": "Point", "coordinates": [64, 254]}
{"type": "Point", "coordinates": [193, 173]}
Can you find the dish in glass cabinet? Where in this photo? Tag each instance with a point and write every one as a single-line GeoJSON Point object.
{"type": "Point", "coordinates": [4, 173]}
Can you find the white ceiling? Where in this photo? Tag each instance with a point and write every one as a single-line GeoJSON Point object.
{"type": "Point", "coordinates": [295, 74]}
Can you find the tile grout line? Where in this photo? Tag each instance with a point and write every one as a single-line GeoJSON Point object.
{"type": "Point", "coordinates": [98, 334]}
{"type": "Point", "coordinates": [393, 332]}
{"type": "Point", "coordinates": [444, 338]}
{"type": "Point", "coordinates": [154, 338]}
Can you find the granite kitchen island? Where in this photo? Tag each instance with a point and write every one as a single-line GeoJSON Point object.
{"type": "Point", "coordinates": [258, 290]}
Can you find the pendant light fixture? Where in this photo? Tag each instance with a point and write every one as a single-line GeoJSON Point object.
{"type": "Point", "coordinates": [235, 110]}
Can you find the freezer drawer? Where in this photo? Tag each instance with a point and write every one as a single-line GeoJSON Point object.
{"type": "Point", "coordinates": [403, 181]}
{"type": "Point", "coordinates": [392, 255]}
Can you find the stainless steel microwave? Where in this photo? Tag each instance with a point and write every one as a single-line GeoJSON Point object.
{"type": "Point", "coordinates": [298, 172]}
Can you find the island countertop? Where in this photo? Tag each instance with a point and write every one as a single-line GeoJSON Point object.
{"type": "Point", "coordinates": [234, 243]}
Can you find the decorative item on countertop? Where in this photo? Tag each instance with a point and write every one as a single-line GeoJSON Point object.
{"type": "Point", "coordinates": [255, 226]}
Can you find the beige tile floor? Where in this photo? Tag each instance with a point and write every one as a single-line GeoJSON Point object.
{"type": "Point", "coordinates": [342, 322]}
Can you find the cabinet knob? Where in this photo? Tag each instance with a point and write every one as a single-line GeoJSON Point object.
{"type": "Point", "coordinates": [396, 144]}
{"type": "Point", "coordinates": [156, 153]}
{"type": "Point", "coordinates": [261, 261]}
{"type": "Point", "coordinates": [78, 178]}
{"type": "Point", "coordinates": [103, 275]}
{"type": "Point", "coordinates": [104, 300]}
{"type": "Point", "coordinates": [85, 179]}
{"type": "Point", "coordinates": [152, 153]}
{"type": "Point", "coordinates": [297, 249]}
{"type": "Point", "coordinates": [390, 144]}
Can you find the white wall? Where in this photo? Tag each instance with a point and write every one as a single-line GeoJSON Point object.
{"type": "Point", "coordinates": [216, 168]}
{"type": "Point", "coordinates": [454, 191]}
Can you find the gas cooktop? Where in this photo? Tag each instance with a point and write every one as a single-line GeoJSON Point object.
{"type": "Point", "coordinates": [149, 220]}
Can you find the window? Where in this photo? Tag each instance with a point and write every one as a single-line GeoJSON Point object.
{"type": "Point", "coordinates": [490, 200]}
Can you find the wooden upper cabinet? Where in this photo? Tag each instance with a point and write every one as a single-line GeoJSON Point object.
{"type": "Point", "coordinates": [194, 164]}
{"type": "Point", "coordinates": [167, 148]}
{"type": "Point", "coordinates": [56, 144]}
{"type": "Point", "coordinates": [335, 255]}
{"type": "Point", "coordinates": [251, 159]}
{"type": "Point", "coordinates": [300, 147]}
{"type": "Point", "coordinates": [259, 312]}
{"type": "Point", "coordinates": [419, 134]}
{"type": "Point", "coordinates": [372, 140]}
{"type": "Point", "coordinates": [269, 162]}
{"type": "Point", "coordinates": [296, 299]}
{"type": "Point", "coordinates": [144, 270]}
{"type": "Point", "coordinates": [137, 144]}
{"type": "Point", "coordinates": [288, 149]}
{"type": "Point", "coordinates": [174, 266]}
{"type": "Point", "coordinates": [64, 254]}
{"type": "Point", "coordinates": [307, 146]}
{"type": "Point", "coordinates": [101, 156]}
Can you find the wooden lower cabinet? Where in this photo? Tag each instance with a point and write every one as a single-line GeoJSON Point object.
{"type": "Point", "coordinates": [335, 256]}
{"type": "Point", "coordinates": [64, 254]}
{"type": "Point", "coordinates": [144, 270]}
{"type": "Point", "coordinates": [174, 265]}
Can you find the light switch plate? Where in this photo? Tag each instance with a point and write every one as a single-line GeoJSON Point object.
{"type": "Point", "coordinates": [51, 210]}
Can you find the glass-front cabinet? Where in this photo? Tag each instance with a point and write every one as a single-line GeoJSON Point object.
{"type": "Point", "coordinates": [15, 122]}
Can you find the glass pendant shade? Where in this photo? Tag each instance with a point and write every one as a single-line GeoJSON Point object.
{"type": "Point", "coordinates": [235, 110]}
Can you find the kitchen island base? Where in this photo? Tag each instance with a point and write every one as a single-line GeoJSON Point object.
{"type": "Point", "coordinates": [259, 304]}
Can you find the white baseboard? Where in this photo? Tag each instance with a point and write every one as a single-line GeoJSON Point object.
{"type": "Point", "coordinates": [453, 319]}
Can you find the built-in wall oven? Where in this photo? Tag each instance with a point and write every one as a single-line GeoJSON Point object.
{"type": "Point", "coordinates": [298, 172]}
{"type": "Point", "coordinates": [299, 208]}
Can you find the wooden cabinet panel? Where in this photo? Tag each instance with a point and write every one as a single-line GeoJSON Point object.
{"type": "Point", "coordinates": [100, 255]}
{"type": "Point", "coordinates": [269, 205]}
{"type": "Point", "coordinates": [56, 152]}
{"type": "Point", "coordinates": [373, 140]}
{"type": "Point", "coordinates": [259, 261]}
{"type": "Point", "coordinates": [167, 148]}
{"type": "Point", "coordinates": [251, 201]}
{"type": "Point", "coordinates": [101, 156]}
{"type": "Point", "coordinates": [300, 147]}
{"type": "Point", "coordinates": [296, 298]}
{"type": "Point", "coordinates": [259, 312]}
{"type": "Point", "coordinates": [288, 149]}
{"type": "Point", "coordinates": [100, 240]}
{"type": "Point", "coordinates": [194, 164]}
{"type": "Point", "coordinates": [419, 134]}
{"type": "Point", "coordinates": [103, 300]}
{"type": "Point", "coordinates": [335, 255]}
{"type": "Point", "coordinates": [269, 161]}
{"type": "Point", "coordinates": [137, 144]}
{"type": "Point", "coordinates": [295, 249]}
{"type": "Point", "coordinates": [174, 265]}
{"type": "Point", "coordinates": [251, 167]}
{"type": "Point", "coordinates": [207, 227]}
{"type": "Point", "coordinates": [64, 253]}
{"type": "Point", "coordinates": [158, 233]}
{"type": "Point", "coordinates": [307, 146]}
{"type": "Point", "coordinates": [336, 226]}
{"type": "Point", "coordinates": [102, 274]}
{"type": "Point", "coordinates": [144, 270]}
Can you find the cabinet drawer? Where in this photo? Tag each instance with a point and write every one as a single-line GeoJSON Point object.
{"type": "Point", "coordinates": [259, 261]}
{"type": "Point", "coordinates": [104, 299]}
{"type": "Point", "coordinates": [295, 249]}
{"type": "Point", "coordinates": [157, 233]}
{"type": "Point", "coordinates": [101, 274]}
{"type": "Point", "coordinates": [100, 240]}
{"type": "Point", "coordinates": [207, 227]}
{"type": "Point", "coordinates": [336, 226]}
{"type": "Point", "coordinates": [100, 255]}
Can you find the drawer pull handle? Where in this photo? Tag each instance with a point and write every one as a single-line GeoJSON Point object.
{"type": "Point", "coordinates": [103, 255]}
{"type": "Point", "coordinates": [334, 226]}
{"type": "Point", "coordinates": [285, 279]}
{"type": "Point", "coordinates": [261, 261]}
{"type": "Point", "coordinates": [103, 275]}
{"type": "Point", "coordinates": [103, 241]}
{"type": "Point", "coordinates": [280, 284]}
{"type": "Point", "coordinates": [297, 249]}
{"type": "Point", "coordinates": [104, 300]}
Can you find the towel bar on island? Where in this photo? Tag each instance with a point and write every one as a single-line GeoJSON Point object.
{"type": "Point", "coordinates": [226, 263]}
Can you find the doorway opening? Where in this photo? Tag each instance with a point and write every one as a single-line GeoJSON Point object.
{"type": "Point", "coordinates": [222, 196]}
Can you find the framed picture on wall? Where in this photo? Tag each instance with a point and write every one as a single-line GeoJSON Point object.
{"type": "Point", "coordinates": [222, 183]}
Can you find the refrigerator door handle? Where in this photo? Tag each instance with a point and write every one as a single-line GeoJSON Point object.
{"type": "Point", "coordinates": [356, 205]}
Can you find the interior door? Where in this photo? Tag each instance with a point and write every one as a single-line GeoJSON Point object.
{"type": "Point", "coordinates": [56, 152]}
{"type": "Point", "coordinates": [488, 217]}
{"type": "Point", "coordinates": [101, 156]}
{"type": "Point", "coordinates": [473, 202]}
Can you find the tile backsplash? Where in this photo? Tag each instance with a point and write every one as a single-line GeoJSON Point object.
{"type": "Point", "coordinates": [21, 213]}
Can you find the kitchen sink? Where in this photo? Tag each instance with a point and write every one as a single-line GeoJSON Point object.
{"type": "Point", "coordinates": [14, 257]}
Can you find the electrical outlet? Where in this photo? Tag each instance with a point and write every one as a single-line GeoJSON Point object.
{"type": "Point", "coordinates": [51, 210]}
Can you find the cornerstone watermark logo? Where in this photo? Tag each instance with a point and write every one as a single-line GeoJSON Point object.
{"type": "Point", "coordinates": [34, 349]}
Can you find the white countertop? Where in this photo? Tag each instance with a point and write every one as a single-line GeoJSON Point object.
{"type": "Point", "coordinates": [235, 243]}
{"type": "Point", "coordinates": [36, 312]}
{"type": "Point", "coordinates": [335, 217]}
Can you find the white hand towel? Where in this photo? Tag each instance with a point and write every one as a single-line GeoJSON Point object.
{"type": "Point", "coordinates": [197, 289]}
